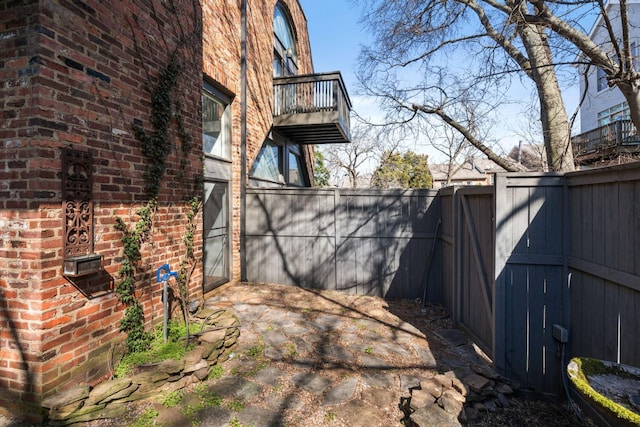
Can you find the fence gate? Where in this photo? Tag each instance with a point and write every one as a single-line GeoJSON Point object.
{"type": "Point", "coordinates": [530, 277]}
{"type": "Point", "coordinates": [471, 266]}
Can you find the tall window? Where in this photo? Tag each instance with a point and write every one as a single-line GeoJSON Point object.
{"type": "Point", "coordinates": [267, 164]}
{"type": "Point", "coordinates": [280, 163]}
{"type": "Point", "coordinates": [216, 123]}
{"type": "Point", "coordinates": [285, 55]}
{"type": "Point", "coordinates": [216, 231]}
{"type": "Point", "coordinates": [295, 167]}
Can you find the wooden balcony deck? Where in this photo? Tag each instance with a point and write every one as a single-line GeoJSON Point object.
{"type": "Point", "coordinates": [606, 142]}
{"type": "Point", "coordinates": [312, 108]}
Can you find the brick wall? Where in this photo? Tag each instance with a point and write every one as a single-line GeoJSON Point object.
{"type": "Point", "coordinates": [222, 64]}
{"type": "Point", "coordinates": [75, 75]}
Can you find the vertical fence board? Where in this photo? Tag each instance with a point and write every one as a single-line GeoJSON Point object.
{"type": "Point", "coordinates": [536, 305]}
{"type": "Point", "coordinates": [625, 224]}
{"type": "Point", "coordinates": [629, 326]}
{"type": "Point", "coordinates": [633, 246]}
{"type": "Point", "coordinates": [611, 207]}
{"type": "Point", "coordinates": [611, 310]}
{"type": "Point", "coordinates": [516, 336]}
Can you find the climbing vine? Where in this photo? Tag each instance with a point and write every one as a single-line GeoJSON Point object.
{"type": "Point", "coordinates": [189, 262]}
{"type": "Point", "coordinates": [156, 143]}
{"type": "Point", "coordinates": [132, 238]}
{"type": "Point", "coordinates": [157, 146]}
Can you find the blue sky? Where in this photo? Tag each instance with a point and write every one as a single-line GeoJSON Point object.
{"type": "Point", "coordinates": [336, 37]}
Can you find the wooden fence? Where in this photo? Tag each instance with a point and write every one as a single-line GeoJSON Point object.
{"type": "Point", "coordinates": [530, 278]}
{"type": "Point", "coordinates": [369, 242]}
{"type": "Point", "coordinates": [604, 262]}
{"type": "Point", "coordinates": [511, 261]}
{"type": "Point", "coordinates": [467, 242]}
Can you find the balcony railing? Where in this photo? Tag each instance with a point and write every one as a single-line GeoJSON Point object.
{"type": "Point", "coordinates": [313, 108]}
{"type": "Point", "coordinates": [605, 141]}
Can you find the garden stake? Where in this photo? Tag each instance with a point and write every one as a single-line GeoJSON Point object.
{"type": "Point", "coordinates": [164, 278]}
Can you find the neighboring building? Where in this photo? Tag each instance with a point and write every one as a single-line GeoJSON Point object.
{"type": "Point", "coordinates": [363, 181]}
{"type": "Point", "coordinates": [76, 81]}
{"type": "Point", "coordinates": [532, 156]}
{"type": "Point", "coordinates": [472, 172]}
{"type": "Point", "coordinates": [607, 134]}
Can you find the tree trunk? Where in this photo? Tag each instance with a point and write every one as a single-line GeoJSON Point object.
{"type": "Point", "coordinates": [631, 92]}
{"type": "Point", "coordinates": [555, 123]}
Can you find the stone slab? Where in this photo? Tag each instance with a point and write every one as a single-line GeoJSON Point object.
{"type": "Point", "coordinates": [311, 382]}
{"type": "Point", "coordinates": [235, 387]}
{"type": "Point", "coordinates": [357, 413]}
{"type": "Point", "coordinates": [341, 393]}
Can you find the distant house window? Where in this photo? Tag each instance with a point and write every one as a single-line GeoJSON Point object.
{"type": "Point", "coordinates": [285, 55]}
{"type": "Point", "coordinates": [216, 123]}
{"type": "Point", "coordinates": [635, 54]}
{"type": "Point", "coordinates": [602, 79]}
{"type": "Point", "coordinates": [617, 112]}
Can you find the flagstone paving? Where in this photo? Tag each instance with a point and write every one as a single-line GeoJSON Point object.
{"type": "Point", "coordinates": [306, 358]}
{"type": "Point", "coordinates": [326, 358]}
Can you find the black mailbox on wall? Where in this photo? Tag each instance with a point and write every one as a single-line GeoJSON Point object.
{"type": "Point", "coordinates": [82, 265]}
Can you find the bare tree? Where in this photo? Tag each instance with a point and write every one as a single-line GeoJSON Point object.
{"type": "Point", "coordinates": [354, 160]}
{"type": "Point", "coordinates": [465, 51]}
{"type": "Point", "coordinates": [613, 53]}
{"type": "Point", "coordinates": [455, 149]}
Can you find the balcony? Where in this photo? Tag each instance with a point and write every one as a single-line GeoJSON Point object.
{"type": "Point", "coordinates": [312, 109]}
{"type": "Point", "coordinates": [606, 142]}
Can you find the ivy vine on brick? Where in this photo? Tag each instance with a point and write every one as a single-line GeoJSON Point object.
{"type": "Point", "coordinates": [132, 238]}
{"type": "Point", "coordinates": [189, 262]}
{"type": "Point", "coordinates": [157, 145]}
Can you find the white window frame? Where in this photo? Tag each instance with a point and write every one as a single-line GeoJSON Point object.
{"type": "Point", "coordinates": [221, 148]}
{"type": "Point", "coordinates": [611, 114]}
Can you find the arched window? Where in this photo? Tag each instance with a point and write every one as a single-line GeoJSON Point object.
{"type": "Point", "coordinates": [285, 56]}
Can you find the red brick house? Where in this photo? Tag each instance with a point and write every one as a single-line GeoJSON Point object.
{"type": "Point", "coordinates": [83, 84]}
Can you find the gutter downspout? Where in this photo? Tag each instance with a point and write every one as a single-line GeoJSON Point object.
{"type": "Point", "coordinates": [243, 143]}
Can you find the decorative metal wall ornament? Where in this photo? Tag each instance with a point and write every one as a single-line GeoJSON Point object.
{"type": "Point", "coordinates": [77, 203]}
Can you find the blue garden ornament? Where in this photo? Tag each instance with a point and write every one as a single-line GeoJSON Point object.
{"type": "Point", "coordinates": [164, 278]}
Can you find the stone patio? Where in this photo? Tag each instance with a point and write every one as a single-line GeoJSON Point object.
{"type": "Point", "coordinates": [318, 358]}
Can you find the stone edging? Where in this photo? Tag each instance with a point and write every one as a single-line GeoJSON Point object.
{"type": "Point", "coordinates": [109, 398]}
{"type": "Point", "coordinates": [445, 398]}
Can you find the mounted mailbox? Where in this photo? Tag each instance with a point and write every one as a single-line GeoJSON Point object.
{"type": "Point", "coordinates": [77, 206]}
{"type": "Point", "coordinates": [82, 265]}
